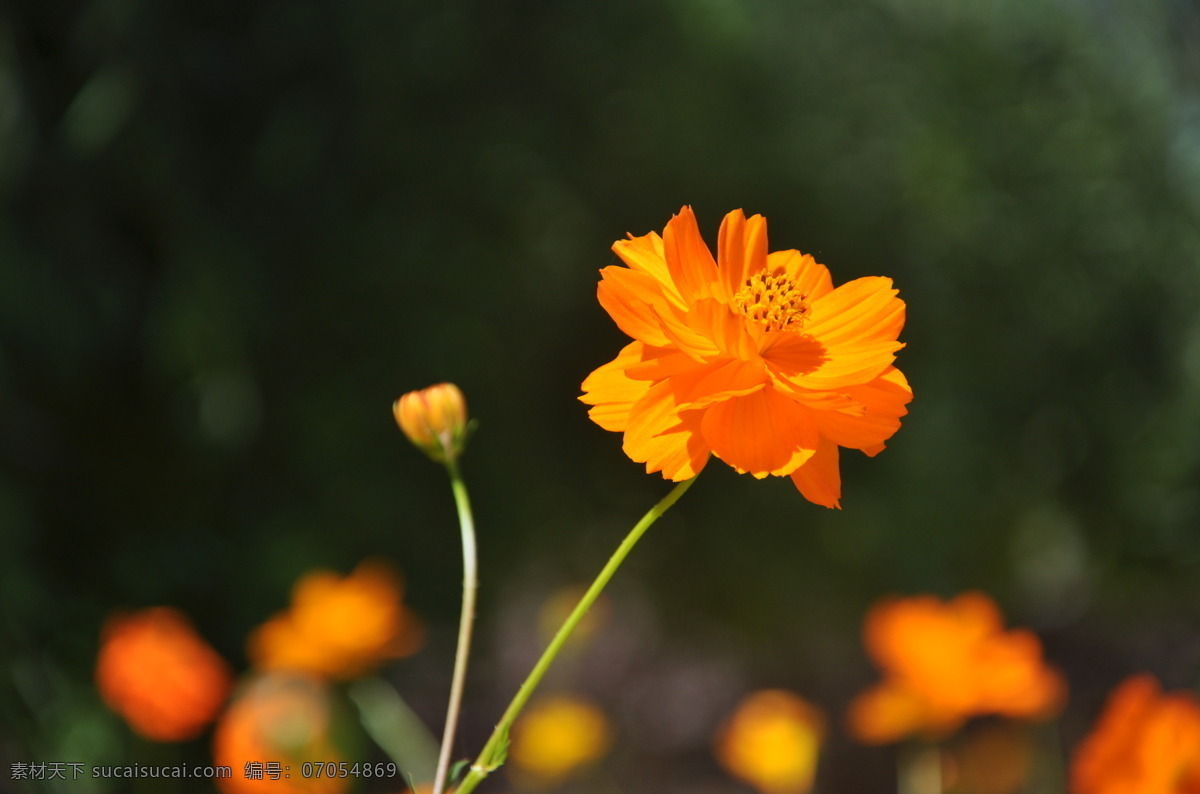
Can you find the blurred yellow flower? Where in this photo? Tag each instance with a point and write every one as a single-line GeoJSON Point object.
{"type": "Point", "coordinates": [558, 607]}
{"type": "Point", "coordinates": [772, 742]}
{"type": "Point", "coordinates": [277, 724]}
{"type": "Point", "coordinates": [945, 662]}
{"type": "Point", "coordinates": [434, 419]}
{"type": "Point", "coordinates": [1145, 742]}
{"type": "Point", "coordinates": [155, 671]}
{"type": "Point", "coordinates": [338, 627]}
{"type": "Point", "coordinates": [557, 735]}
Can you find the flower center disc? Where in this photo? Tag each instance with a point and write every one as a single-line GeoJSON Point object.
{"type": "Point", "coordinates": [773, 301]}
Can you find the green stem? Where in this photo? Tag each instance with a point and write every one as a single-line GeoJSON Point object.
{"type": "Point", "coordinates": [466, 619]}
{"type": "Point", "coordinates": [1050, 772]}
{"type": "Point", "coordinates": [920, 768]}
{"type": "Point", "coordinates": [493, 753]}
{"type": "Point", "coordinates": [395, 728]}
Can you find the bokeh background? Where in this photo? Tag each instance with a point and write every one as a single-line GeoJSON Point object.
{"type": "Point", "coordinates": [233, 233]}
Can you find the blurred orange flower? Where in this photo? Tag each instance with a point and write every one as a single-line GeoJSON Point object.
{"type": "Point", "coordinates": [278, 722]}
{"type": "Point", "coordinates": [946, 662]}
{"type": "Point", "coordinates": [160, 675]}
{"type": "Point", "coordinates": [1145, 742]}
{"type": "Point", "coordinates": [772, 741]}
{"type": "Point", "coordinates": [556, 736]}
{"type": "Point", "coordinates": [754, 357]}
{"type": "Point", "coordinates": [338, 627]}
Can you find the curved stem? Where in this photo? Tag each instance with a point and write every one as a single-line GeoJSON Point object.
{"type": "Point", "coordinates": [493, 753]}
{"type": "Point", "coordinates": [466, 619]}
{"type": "Point", "coordinates": [920, 768]}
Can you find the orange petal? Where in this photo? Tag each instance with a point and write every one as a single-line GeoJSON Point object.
{"type": "Point", "coordinates": [676, 327]}
{"type": "Point", "coordinates": [790, 354]}
{"type": "Point", "coordinates": [857, 324]}
{"type": "Point", "coordinates": [659, 363]}
{"type": "Point", "coordinates": [689, 261]}
{"type": "Point", "coordinates": [612, 392]}
{"type": "Point", "coordinates": [755, 249]}
{"type": "Point", "coordinates": [841, 370]}
{"type": "Point", "coordinates": [809, 276]}
{"type": "Point", "coordinates": [910, 636]}
{"type": "Point", "coordinates": [645, 255]}
{"type": "Point", "coordinates": [819, 480]}
{"type": "Point", "coordinates": [630, 299]}
{"type": "Point", "coordinates": [728, 331]}
{"type": "Point", "coordinates": [885, 713]}
{"type": "Point", "coordinates": [741, 249]}
{"type": "Point", "coordinates": [1013, 679]}
{"type": "Point", "coordinates": [721, 380]}
{"type": "Point", "coordinates": [1145, 741]}
{"type": "Point", "coordinates": [817, 400]}
{"type": "Point", "coordinates": [761, 433]}
{"type": "Point", "coordinates": [863, 310]}
{"type": "Point", "coordinates": [875, 416]}
{"type": "Point", "coordinates": [663, 437]}
{"type": "Point", "coordinates": [978, 612]}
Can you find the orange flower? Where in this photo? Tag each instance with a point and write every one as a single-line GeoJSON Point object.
{"type": "Point", "coordinates": [276, 725]}
{"type": "Point", "coordinates": [338, 627]}
{"type": "Point", "coordinates": [772, 742]}
{"type": "Point", "coordinates": [754, 357]}
{"type": "Point", "coordinates": [157, 673]}
{"type": "Point", "coordinates": [946, 662]}
{"type": "Point", "coordinates": [1145, 742]}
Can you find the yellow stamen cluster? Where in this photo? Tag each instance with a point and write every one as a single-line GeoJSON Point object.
{"type": "Point", "coordinates": [774, 301]}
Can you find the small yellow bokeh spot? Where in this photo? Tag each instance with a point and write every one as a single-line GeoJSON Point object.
{"type": "Point", "coordinates": [558, 607]}
{"type": "Point", "coordinates": [556, 736]}
{"type": "Point", "coordinates": [772, 742]}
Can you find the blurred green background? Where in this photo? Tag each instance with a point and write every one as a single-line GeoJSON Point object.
{"type": "Point", "coordinates": [233, 233]}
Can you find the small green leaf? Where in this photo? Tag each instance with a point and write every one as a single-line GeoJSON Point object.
{"type": "Point", "coordinates": [496, 758]}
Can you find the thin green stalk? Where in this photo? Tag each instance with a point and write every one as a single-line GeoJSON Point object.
{"type": "Point", "coordinates": [494, 752]}
{"type": "Point", "coordinates": [920, 768]}
{"type": "Point", "coordinates": [466, 619]}
{"type": "Point", "coordinates": [1050, 774]}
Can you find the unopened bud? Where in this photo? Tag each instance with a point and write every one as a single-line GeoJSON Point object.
{"type": "Point", "coordinates": [435, 419]}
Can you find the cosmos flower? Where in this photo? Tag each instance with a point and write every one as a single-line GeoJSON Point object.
{"type": "Point", "coordinates": [160, 675]}
{"type": "Point", "coordinates": [274, 732]}
{"type": "Point", "coordinates": [753, 357]}
{"type": "Point", "coordinates": [945, 662]}
{"type": "Point", "coordinates": [338, 627]}
{"type": "Point", "coordinates": [1145, 742]}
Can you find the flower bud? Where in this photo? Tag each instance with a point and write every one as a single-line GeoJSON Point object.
{"type": "Point", "coordinates": [435, 419]}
